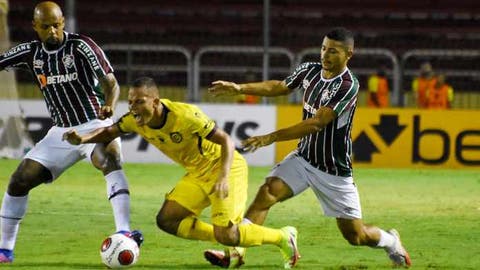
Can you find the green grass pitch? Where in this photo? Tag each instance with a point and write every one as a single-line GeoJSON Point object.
{"type": "Point", "coordinates": [437, 213]}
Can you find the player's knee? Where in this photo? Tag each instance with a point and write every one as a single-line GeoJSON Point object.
{"type": "Point", "coordinates": [18, 188]}
{"type": "Point", "coordinates": [107, 163]}
{"type": "Point", "coordinates": [165, 224]}
{"type": "Point", "coordinates": [113, 163]}
{"type": "Point", "coordinates": [161, 222]}
{"type": "Point", "coordinates": [266, 197]}
{"type": "Point", "coordinates": [226, 236]}
{"type": "Point", "coordinates": [20, 184]}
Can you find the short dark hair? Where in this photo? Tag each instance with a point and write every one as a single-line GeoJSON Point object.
{"type": "Point", "coordinates": [341, 34]}
{"type": "Point", "coordinates": [146, 82]}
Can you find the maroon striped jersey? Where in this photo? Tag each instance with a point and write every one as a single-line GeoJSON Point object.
{"type": "Point", "coordinates": [67, 76]}
{"type": "Point", "coordinates": [330, 149]}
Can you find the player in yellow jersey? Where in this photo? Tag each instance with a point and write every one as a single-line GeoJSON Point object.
{"type": "Point", "coordinates": [216, 174]}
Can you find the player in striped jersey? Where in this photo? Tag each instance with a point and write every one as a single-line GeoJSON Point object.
{"type": "Point", "coordinates": [71, 72]}
{"type": "Point", "coordinates": [322, 160]}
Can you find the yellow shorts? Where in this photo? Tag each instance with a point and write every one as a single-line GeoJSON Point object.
{"type": "Point", "coordinates": [195, 194]}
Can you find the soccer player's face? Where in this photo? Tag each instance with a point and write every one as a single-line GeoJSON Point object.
{"type": "Point", "coordinates": [334, 55]}
{"type": "Point", "coordinates": [49, 27]}
{"type": "Point", "coordinates": [141, 105]}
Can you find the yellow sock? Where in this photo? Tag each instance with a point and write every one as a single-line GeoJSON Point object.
{"type": "Point", "coordinates": [193, 228]}
{"type": "Point", "coordinates": [255, 235]}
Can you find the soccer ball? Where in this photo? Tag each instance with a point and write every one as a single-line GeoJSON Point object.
{"type": "Point", "coordinates": [119, 251]}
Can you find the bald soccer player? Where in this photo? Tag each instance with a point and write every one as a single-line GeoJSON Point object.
{"type": "Point", "coordinates": [80, 91]}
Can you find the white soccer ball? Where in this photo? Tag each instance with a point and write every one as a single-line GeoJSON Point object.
{"type": "Point", "coordinates": [119, 251]}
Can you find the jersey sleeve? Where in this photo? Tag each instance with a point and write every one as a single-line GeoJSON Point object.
{"type": "Point", "coordinates": [294, 80]}
{"type": "Point", "coordinates": [345, 97]}
{"type": "Point", "coordinates": [16, 57]}
{"type": "Point", "coordinates": [127, 123]}
{"type": "Point", "coordinates": [200, 123]}
{"type": "Point", "coordinates": [94, 56]}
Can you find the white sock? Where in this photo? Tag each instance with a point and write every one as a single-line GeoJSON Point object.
{"type": "Point", "coordinates": [118, 194]}
{"type": "Point", "coordinates": [12, 211]}
{"type": "Point", "coordinates": [387, 241]}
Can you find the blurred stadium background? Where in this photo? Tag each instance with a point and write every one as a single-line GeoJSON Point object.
{"type": "Point", "coordinates": [171, 41]}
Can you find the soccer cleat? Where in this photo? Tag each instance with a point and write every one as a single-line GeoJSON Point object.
{"type": "Point", "coordinates": [236, 255]}
{"type": "Point", "coordinates": [289, 248]}
{"type": "Point", "coordinates": [6, 255]}
{"type": "Point", "coordinates": [398, 254]}
{"type": "Point", "coordinates": [217, 257]}
{"type": "Point", "coordinates": [136, 235]}
{"type": "Point", "coordinates": [232, 257]}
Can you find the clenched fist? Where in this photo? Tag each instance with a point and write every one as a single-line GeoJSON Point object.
{"type": "Point", "coordinates": [72, 137]}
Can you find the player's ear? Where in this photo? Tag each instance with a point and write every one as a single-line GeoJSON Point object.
{"type": "Point", "coordinates": [156, 102]}
{"type": "Point", "coordinates": [349, 52]}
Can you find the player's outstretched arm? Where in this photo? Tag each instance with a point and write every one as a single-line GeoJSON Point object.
{"type": "Point", "coordinates": [101, 135]}
{"type": "Point", "coordinates": [266, 88]}
{"type": "Point", "coordinates": [323, 117]}
{"type": "Point", "coordinates": [224, 88]}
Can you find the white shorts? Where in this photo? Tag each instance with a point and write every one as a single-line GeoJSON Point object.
{"type": "Point", "coordinates": [338, 195]}
{"type": "Point", "coordinates": [58, 155]}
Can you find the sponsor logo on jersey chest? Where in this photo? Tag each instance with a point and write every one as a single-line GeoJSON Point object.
{"type": "Point", "coordinates": [309, 108]}
{"type": "Point", "coordinates": [56, 79]}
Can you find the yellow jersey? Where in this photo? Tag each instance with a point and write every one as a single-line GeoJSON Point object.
{"type": "Point", "coordinates": [182, 138]}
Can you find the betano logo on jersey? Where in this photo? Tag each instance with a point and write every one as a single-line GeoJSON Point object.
{"type": "Point", "coordinates": [55, 79]}
{"type": "Point", "coordinates": [309, 108]}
